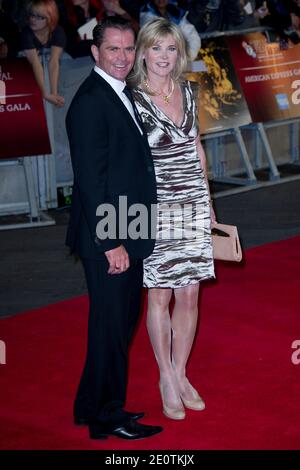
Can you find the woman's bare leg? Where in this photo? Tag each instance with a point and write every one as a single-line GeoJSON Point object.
{"type": "Point", "coordinates": [159, 329]}
{"type": "Point", "coordinates": [184, 324]}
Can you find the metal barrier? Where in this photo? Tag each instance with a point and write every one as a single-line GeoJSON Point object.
{"type": "Point", "coordinates": [36, 217]}
{"type": "Point", "coordinates": [35, 179]}
{"type": "Point", "coordinates": [216, 145]}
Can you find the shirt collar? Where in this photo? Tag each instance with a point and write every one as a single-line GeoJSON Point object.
{"type": "Point", "coordinates": [117, 85]}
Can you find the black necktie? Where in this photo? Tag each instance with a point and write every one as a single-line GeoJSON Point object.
{"type": "Point", "coordinates": [128, 93]}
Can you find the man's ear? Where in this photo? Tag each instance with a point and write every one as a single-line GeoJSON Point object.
{"type": "Point", "coordinates": [95, 52]}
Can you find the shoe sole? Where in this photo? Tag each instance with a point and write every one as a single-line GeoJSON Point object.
{"type": "Point", "coordinates": [105, 436]}
{"type": "Point", "coordinates": [177, 418]}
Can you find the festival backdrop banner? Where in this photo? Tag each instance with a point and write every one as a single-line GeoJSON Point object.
{"type": "Point", "coordinates": [23, 127]}
{"type": "Point", "coordinates": [270, 77]}
{"type": "Point", "coordinates": [221, 101]}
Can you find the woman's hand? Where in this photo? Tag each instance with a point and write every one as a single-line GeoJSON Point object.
{"type": "Point", "coordinates": [295, 20]}
{"type": "Point", "coordinates": [55, 99]}
{"type": "Point", "coordinates": [212, 214]}
{"type": "Point", "coordinates": [114, 7]}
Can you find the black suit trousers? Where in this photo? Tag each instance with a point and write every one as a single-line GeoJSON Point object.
{"type": "Point", "coordinates": [114, 310]}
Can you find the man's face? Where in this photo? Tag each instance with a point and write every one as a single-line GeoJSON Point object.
{"type": "Point", "coordinates": [116, 54]}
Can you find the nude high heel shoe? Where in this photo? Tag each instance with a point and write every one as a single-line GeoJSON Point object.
{"type": "Point", "coordinates": [172, 413]}
{"type": "Point", "coordinates": [196, 403]}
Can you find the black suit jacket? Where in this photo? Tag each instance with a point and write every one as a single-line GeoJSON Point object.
{"type": "Point", "coordinates": [110, 158]}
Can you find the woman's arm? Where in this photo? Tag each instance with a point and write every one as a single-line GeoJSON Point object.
{"type": "Point", "coordinates": [192, 37]}
{"type": "Point", "coordinates": [295, 21]}
{"type": "Point", "coordinates": [146, 16]}
{"type": "Point", "coordinates": [38, 71]}
{"type": "Point", "coordinates": [113, 6]}
{"type": "Point", "coordinates": [202, 157]}
{"type": "Point", "coordinates": [33, 59]}
{"type": "Point", "coordinates": [53, 65]}
{"type": "Point", "coordinates": [3, 48]}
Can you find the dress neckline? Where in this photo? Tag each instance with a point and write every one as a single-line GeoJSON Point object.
{"type": "Point", "coordinates": [184, 106]}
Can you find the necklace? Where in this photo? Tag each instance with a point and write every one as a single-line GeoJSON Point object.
{"type": "Point", "coordinates": [167, 97]}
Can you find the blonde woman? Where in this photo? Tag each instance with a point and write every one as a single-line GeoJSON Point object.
{"type": "Point", "coordinates": [178, 263]}
{"type": "Point", "coordinates": [42, 32]}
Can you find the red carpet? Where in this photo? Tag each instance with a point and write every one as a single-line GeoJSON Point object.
{"type": "Point", "coordinates": [241, 364]}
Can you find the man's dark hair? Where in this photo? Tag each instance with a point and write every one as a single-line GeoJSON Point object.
{"type": "Point", "coordinates": [110, 22]}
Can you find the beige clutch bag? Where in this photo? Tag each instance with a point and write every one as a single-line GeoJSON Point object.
{"type": "Point", "coordinates": [226, 243]}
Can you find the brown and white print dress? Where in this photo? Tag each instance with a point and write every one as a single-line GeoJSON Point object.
{"type": "Point", "coordinates": [183, 248]}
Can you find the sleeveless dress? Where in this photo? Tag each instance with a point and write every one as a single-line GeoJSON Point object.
{"type": "Point", "coordinates": [183, 249]}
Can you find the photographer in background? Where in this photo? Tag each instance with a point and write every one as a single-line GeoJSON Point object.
{"type": "Point", "coordinates": [215, 15]}
{"type": "Point", "coordinates": [282, 16]}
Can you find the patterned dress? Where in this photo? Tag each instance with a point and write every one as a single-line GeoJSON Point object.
{"type": "Point", "coordinates": [183, 248]}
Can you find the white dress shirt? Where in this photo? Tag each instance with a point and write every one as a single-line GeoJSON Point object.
{"type": "Point", "coordinates": [118, 87]}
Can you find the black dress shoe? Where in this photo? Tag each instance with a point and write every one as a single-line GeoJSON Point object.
{"type": "Point", "coordinates": [85, 421]}
{"type": "Point", "coordinates": [81, 421]}
{"type": "Point", "coordinates": [130, 430]}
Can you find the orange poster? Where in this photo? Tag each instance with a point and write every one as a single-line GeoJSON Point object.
{"type": "Point", "coordinates": [221, 101]}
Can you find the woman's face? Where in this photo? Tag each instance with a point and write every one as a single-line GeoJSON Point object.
{"type": "Point", "coordinates": [161, 3]}
{"type": "Point", "coordinates": [109, 3]}
{"type": "Point", "coordinates": [161, 57]}
{"type": "Point", "coordinates": [38, 19]}
{"type": "Point", "coordinates": [80, 3]}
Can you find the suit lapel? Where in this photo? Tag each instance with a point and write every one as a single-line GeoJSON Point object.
{"type": "Point", "coordinates": [123, 110]}
{"type": "Point", "coordinates": [115, 98]}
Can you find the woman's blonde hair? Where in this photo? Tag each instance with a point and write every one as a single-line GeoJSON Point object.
{"type": "Point", "coordinates": [151, 33]}
{"type": "Point", "coordinates": [50, 8]}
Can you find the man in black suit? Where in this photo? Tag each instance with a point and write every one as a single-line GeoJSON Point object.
{"type": "Point", "coordinates": [111, 159]}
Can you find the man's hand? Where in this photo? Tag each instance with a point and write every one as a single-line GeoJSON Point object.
{"type": "Point", "coordinates": [118, 260]}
